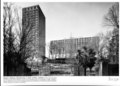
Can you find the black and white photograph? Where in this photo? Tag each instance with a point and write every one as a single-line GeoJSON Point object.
{"type": "Point", "coordinates": [60, 39]}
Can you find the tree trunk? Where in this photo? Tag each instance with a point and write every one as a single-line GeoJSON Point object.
{"type": "Point", "coordinates": [90, 70]}
{"type": "Point", "coordinates": [78, 70]}
{"type": "Point", "coordinates": [85, 71]}
{"type": "Point", "coordinates": [8, 70]}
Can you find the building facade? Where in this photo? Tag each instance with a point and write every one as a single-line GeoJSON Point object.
{"type": "Point", "coordinates": [68, 47]}
{"type": "Point", "coordinates": [33, 24]}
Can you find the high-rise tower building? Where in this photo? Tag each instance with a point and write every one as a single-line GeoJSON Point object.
{"type": "Point", "coordinates": [34, 19]}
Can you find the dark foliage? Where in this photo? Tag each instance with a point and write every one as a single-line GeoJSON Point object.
{"type": "Point", "coordinates": [86, 58]}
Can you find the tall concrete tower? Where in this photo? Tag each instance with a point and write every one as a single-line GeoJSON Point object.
{"type": "Point", "coordinates": [35, 19]}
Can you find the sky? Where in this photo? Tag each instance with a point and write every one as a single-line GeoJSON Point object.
{"type": "Point", "coordinates": [72, 19]}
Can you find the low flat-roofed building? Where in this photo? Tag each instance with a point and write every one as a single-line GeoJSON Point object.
{"type": "Point", "coordinates": [68, 47]}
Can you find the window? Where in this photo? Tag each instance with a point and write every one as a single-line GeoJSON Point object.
{"type": "Point", "coordinates": [36, 7]}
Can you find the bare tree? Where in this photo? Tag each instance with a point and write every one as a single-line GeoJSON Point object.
{"type": "Point", "coordinates": [25, 36]}
{"type": "Point", "coordinates": [9, 38]}
{"type": "Point", "coordinates": [16, 46]}
{"type": "Point", "coordinates": [8, 23]}
{"type": "Point", "coordinates": [71, 47]}
{"type": "Point", "coordinates": [112, 17]}
{"type": "Point", "coordinates": [104, 44]}
{"type": "Point", "coordinates": [53, 49]}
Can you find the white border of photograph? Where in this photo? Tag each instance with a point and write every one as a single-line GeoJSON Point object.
{"type": "Point", "coordinates": [58, 80]}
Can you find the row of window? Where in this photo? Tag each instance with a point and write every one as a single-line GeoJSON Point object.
{"type": "Point", "coordinates": [74, 41]}
{"type": "Point", "coordinates": [68, 46]}
{"type": "Point", "coordinates": [31, 20]}
{"type": "Point", "coordinates": [31, 16]}
{"type": "Point", "coordinates": [31, 8]}
{"type": "Point", "coordinates": [75, 44]}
